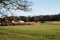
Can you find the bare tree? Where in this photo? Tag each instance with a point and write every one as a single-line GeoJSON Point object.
{"type": "Point", "coordinates": [9, 5]}
{"type": "Point", "coordinates": [14, 5]}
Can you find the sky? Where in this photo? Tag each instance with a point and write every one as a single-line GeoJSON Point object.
{"type": "Point", "coordinates": [45, 7]}
{"type": "Point", "coordinates": [41, 7]}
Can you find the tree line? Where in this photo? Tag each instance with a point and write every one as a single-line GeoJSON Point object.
{"type": "Point", "coordinates": [42, 18]}
{"type": "Point", "coordinates": [34, 18]}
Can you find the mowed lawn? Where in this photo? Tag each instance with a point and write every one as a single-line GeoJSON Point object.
{"type": "Point", "coordinates": [40, 31]}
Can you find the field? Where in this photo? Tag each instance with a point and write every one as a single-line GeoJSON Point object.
{"type": "Point", "coordinates": [40, 31]}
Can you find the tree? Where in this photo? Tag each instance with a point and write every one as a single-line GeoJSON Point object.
{"type": "Point", "coordinates": [9, 5]}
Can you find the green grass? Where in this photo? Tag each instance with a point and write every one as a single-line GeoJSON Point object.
{"type": "Point", "coordinates": [40, 31]}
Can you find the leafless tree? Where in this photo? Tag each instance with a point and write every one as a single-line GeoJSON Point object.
{"type": "Point", "coordinates": [9, 5]}
{"type": "Point", "coordinates": [14, 5]}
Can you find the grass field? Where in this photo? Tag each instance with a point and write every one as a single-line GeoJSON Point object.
{"type": "Point", "coordinates": [40, 31]}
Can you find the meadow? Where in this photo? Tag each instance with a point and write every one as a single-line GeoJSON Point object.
{"type": "Point", "coordinates": [40, 31]}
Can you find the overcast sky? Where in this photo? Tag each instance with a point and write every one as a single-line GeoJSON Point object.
{"type": "Point", "coordinates": [41, 7]}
